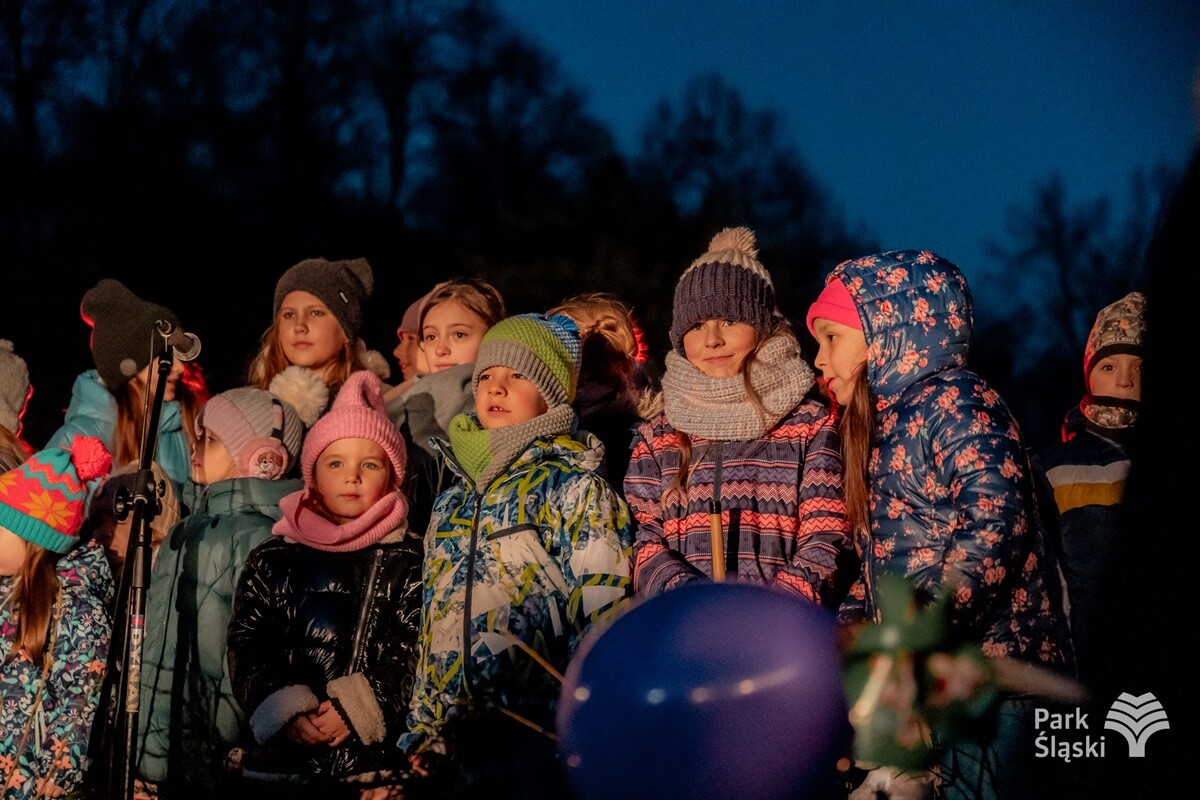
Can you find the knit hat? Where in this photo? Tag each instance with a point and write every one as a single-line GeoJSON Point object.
{"type": "Point", "coordinates": [342, 285]}
{"type": "Point", "coordinates": [261, 432]}
{"type": "Point", "coordinates": [834, 303]}
{"type": "Point", "coordinates": [1119, 328]}
{"type": "Point", "coordinates": [357, 413]}
{"type": "Point", "coordinates": [411, 323]}
{"type": "Point", "coordinates": [15, 388]}
{"type": "Point", "coordinates": [43, 500]}
{"type": "Point", "coordinates": [122, 330]}
{"type": "Point", "coordinates": [727, 282]}
{"type": "Point", "coordinates": [544, 349]}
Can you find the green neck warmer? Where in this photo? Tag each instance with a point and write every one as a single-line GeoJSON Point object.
{"type": "Point", "coordinates": [485, 454]}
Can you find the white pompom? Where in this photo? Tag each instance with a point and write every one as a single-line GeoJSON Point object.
{"type": "Point", "coordinates": [304, 390]}
{"type": "Point", "coordinates": [374, 361]}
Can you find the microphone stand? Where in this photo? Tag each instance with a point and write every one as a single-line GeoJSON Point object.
{"type": "Point", "coordinates": [143, 502]}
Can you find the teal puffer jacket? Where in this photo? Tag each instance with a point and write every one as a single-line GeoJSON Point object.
{"type": "Point", "coordinates": [189, 717]}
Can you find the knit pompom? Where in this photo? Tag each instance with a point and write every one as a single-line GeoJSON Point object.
{"type": "Point", "coordinates": [374, 361]}
{"type": "Point", "coordinates": [565, 322]}
{"type": "Point", "coordinates": [740, 239]}
{"type": "Point", "coordinates": [91, 458]}
{"type": "Point", "coordinates": [302, 389]}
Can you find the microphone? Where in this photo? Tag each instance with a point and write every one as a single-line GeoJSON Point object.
{"type": "Point", "coordinates": [187, 345]}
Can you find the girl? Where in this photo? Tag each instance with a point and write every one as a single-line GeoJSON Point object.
{"type": "Point", "coordinates": [109, 402]}
{"type": "Point", "coordinates": [739, 460]}
{"type": "Point", "coordinates": [614, 393]}
{"type": "Point", "coordinates": [325, 616]}
{"type": "Point", "coordinates": [316, 320]}
{"type": "Point", "coordinates": [937, 485]}
{"type": "Point", "coordinates": [15, 391]}
{"type": "Point", "coordinates": [248, 440]}
{"type": "Point", "coordinates": [1087, 471]}
{"type": "Point", "coordinates": [408, 352]}
{"type": "Point", "coordinates": [452, 324]}
{"type": "Point", "coordinates": [54, 630]}
{"type": "Point", "coordinates": [523, 555]}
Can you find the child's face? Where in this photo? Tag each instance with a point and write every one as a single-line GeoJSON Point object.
{"type": "Point", "coordinates": [351, 476]}
{"type": "Point", "coordinates": [12, 553]}
{"type": "Point", "coordinates": [406, 354]}
{"type": "Point", "coordinates": [450, 335]}
{"type": "Point", "coordinates": [842, 353]}
{"type": "Point", "coordinates": [145, 379]}
{"type": "Point", "coordinates": [504, 398]}
{"type": "Point", "coordinates": [309, 333]}
{"type": "Point", "coordinates": [718, 347]}
{"type": "Point", "coordinates": [1117, 375]}
{"type": "Point", "coordinates": [211, 461]}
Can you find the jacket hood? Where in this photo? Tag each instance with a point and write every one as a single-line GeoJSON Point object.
{"type": "Point", "coordinates": [85, 570]}
{"type": "Point", "coordinates": [248, 494]}
{"type": "Point", "coordinates": [916, 312]}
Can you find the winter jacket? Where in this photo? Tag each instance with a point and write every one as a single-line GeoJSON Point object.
{"type": "Point", "coordinates": [952, 501]}
{"type": "Point", "coordinates": [93, 412]}
{"type": "Point", "coordinates": [1086, 474]}
{"type": "Point", "coordinates": [189, 717]}
{"type": "Point", "coordinates": [533, 560]}
{"type": "Point", "coordinates": [65, 702]}
{"type": "Point", "coordinates": [781, 505]}
{"type": "Point", "coordinates": [310, 626]}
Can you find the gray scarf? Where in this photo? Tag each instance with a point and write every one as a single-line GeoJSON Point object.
{"type": "Point", "coordinates": [719, 408]}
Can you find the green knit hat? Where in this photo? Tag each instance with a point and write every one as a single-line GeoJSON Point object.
{"type": "Point", "coordinates": [544, 349]}
{"type": "Point", "coordinates": [43, 499]}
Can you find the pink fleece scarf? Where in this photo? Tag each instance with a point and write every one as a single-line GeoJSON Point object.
{"type": "Point", "coordinates": [303, 522]}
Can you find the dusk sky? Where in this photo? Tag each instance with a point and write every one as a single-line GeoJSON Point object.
{"type": "Point", "coordinates": [925, 120]}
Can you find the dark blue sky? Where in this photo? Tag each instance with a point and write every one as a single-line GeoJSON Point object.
{"type": "Point", "coordinates": [926, 120]}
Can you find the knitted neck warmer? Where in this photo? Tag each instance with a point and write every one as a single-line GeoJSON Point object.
{"type": "Point", "coordinates": [719, 408]}
{"type": "Point", "coordinates": [303, 522]}
{"type": "Point", "coordinates": [485, 454]}
{"type": "Point", "coordinates": [1110, 412]}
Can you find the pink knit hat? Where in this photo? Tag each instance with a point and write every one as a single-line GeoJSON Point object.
{"type": "Point", "coordinates": [411, 322]}
{"type": "Point", "coordinates": [834, 303]}
{"type": "Point", "coordinates": [357, 413]}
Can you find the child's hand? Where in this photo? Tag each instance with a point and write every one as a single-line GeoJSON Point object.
{"type": "Point", "coordinates": [330, 723]}
{"type": "Point", "coordinates": [301, 730]}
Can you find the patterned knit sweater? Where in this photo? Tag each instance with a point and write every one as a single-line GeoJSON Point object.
{"type": "Point", "coordinates": [781, 498]}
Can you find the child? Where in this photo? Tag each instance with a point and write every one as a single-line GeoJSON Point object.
{"type": "Point", "coordinates": [108, 402]}
{"type": "Point", "coordinates": [54, 630]}
{"type": "Point", "coordinates": [325, 617]}
{"type": "Point", "coordinates": [316, 319]}
{"type": "Point", "coordinates": [1087, 471]}
{"type": "Point", "coordinates": [452, 323]}
{"type": "Point", "coordinates": [737, 437]}
{"type": "Point", "coordinates": [614, 393]}
{"type": "Point", "coordinates": [15, 391]}
{"type": "Point", "coordinates": [247, 440]}
{"type": "Point", "coordinates": [524, 554]}
{"type": "Point", "coordinates": [408, 352]}
{"type": "Point", "coordinates": [113, 534]}
{"type": "Point", "coordinates": [937, 485]}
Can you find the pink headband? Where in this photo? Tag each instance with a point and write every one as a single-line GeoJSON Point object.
{"type": "Point", "coordinates": [834, 303]}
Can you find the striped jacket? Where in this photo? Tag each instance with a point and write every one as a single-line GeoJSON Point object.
{"type": "Point", "coordinates": [781, 506]}
{"type": "Point", "coordinates": [1086, 473]}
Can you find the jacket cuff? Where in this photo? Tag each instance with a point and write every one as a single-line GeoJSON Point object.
{"type": "Point", "coordinates": [279, 708]}
{"type": "Point", "coordinates": [352, 696]}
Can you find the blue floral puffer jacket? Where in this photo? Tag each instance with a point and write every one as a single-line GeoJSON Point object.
{"type": "Point", "coordinates": [952, 499]}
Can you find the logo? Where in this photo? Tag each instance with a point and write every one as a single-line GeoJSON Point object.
{"type": "Point", "coordinates": [1137, 719]}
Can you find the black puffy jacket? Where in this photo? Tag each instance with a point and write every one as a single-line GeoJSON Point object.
{"type": "Point", "coordinates": [310, 626]}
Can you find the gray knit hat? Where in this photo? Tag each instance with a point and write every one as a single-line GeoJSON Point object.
{"type": "Point", "coordinates": [546, 349]}
{"type": "Point", "coordinates": [261, 432]}
{"type": "Point", "coordinates": [342, 285]}
{"type": "Point", "coordinates": [14, 387]}
{"type": "Point", "coordinates": [727, 282]}
{"type": "Point", "coordinates": [122, 330]}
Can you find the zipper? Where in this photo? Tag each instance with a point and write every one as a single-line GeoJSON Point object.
{"type": "Point", "coordinates": [356, 646]}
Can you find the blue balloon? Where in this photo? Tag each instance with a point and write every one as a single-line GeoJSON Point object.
{"type": "Point", "coordinates": [709, 690]}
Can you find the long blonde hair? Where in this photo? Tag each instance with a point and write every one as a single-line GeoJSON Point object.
{"type": "Point", "coordinates": [476, 295]}
{"type": "Point", "coordinates": [270, 360]}
{"type": "Point", "coordinates": [856, 429]}
{"type": "Point", "coordinates": [131, 406]}
{"type": "Point", "coordinates": [34, 596]}
{"type": "Point", "coordinates": [613, 346]}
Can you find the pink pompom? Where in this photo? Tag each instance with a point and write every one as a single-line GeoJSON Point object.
{"type": "Point", "coordinates": [91, 458]}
